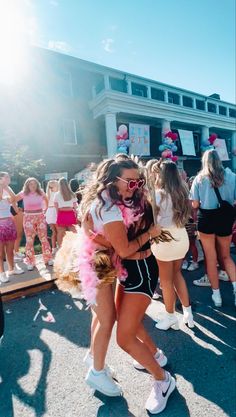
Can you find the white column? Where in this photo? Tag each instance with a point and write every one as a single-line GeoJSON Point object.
{"type": "Point", "coordinates": [205, 134]}
{"type": "Point", "coordinates": [111, 129]}
{"type": "Point", "coordinates": [106, 82]}
{"type": "Point", "coordinates": [148, 91]}
{"type": "Point", "coordinates": [181, 100]}
{"type": "Point", "coordinates": [194, 103]}
{"type": "Point", "coordinates": [165, 127]}
{"type": "Point", "coordinates": [233, 149]}
{"type": "Point", "coordinates": [166, 96]}
{"type": "Point", "coordinates": [129, 87]}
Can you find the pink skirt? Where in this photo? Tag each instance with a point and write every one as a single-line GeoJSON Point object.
{"type": "Point", "coordinates": [7, 230]}
{"type": "Point", "coordinates": [66, 218]}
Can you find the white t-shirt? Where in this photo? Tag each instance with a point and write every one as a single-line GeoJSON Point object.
{"type": "Point", "coordinates": [109, 213]}
{"type": "Point", "coordinates": [5, 208]}
{"type": "Point", "coordinates": [165, 216]}
{"type": "Point", "coordinates": [51, 198]}
{"type": "Point", "coordinates": [62, 203]}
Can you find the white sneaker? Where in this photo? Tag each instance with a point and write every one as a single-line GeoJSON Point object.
{"type": "Point", "coordinates": [185, 264]}
{"type": "Point", "coordinates": [193, 266]}
{"type": "Point", "coordinates": [217, 300]}
{"type": "Point", "coordinates": [103, 383]}
{"type": "Point", "coordinates": [88, 361]}
{"type": "Point", "coordinates": [16, 271]}
{"type": "Point", "coordinates": [159, 356]}
{"type": "Point", "coordinates": [155, 296]}
{"type": "Point", "coordinates": [30, 267]}
{"type": "Point", "coordinates": [188, 316]}
{"type": "Point", "coordinates": [3, 277]}
{"type": "Point", "coordinates": [50, 262]}
{"type": "Point", "coordinates": [202, 282]}
{"type": "Point", "coordinates": [19, 255]}
{"type": "Point", "coordinates": [159, 395]}
{"type": "Point", "coordinates": [170, 321]}
{"type": "Point", "coordinates": [223, 276]}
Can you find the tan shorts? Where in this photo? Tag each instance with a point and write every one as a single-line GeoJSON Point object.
{"type": "Point", "coordinates": [174, 250]}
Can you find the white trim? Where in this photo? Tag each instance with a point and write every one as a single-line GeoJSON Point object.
{"type": "Point", "coordinates": [126, 291]}
{"type": "Point", "coordinates": [149, 278]}
{"type": "Point", "coordinates": [140, 274]}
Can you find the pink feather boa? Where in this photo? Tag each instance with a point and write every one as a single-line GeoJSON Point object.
{"type": "Point", "coordinates": [87, 275]}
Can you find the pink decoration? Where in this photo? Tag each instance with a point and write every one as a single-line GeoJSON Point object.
{"type": "Point", "coordinates": [212, 138]}
{"type": "Point", "coordinates": [171, 135]}
{"type": "Point", "coordinates": [174, 158]}
{"type": "Point", "coordinates": [166, 154]}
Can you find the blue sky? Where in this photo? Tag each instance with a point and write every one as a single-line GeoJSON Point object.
{"type": "Point", "coordinates": [187, 43]}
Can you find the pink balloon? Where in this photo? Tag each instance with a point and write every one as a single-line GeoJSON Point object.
{"type": "Point", "coordinates": [122, 130]}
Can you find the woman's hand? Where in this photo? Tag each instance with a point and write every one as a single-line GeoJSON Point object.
{"type": "Point", "coordinates": [154, 231]}
{"type": "Point", "coordinates": [87, 225]}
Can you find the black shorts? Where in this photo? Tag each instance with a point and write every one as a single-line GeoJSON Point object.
{"type": "Point", "coordinates": [142, 276]}
{"type": "Point", "coordinates": [212, 222]}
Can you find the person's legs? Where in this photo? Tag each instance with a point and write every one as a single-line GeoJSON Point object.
{"type": "Point", "coordinates": [193, 248]}
{"type": "Point", "coordinates": [208, 242]}
{"type": "Point", "coordinates": [223, 245]}
{"type": "Point", "coordinates": [180, 284]}
{"type": "Point", "coordinates": [10, 254]}
{"type": "Point", "coordinates": [2, 256]}
{"type": "Point", "coordinates": [18, 220]}
{"type": "Point", "coordinates": [166, 271]}
{"type": "Point", "coordinates": [60, 234]}
{"type": "Point", "coordinates": [30, 234]}
{"type": "Point", "coordinates": [134, 306]}
{"type": "Point", "coordinates": [54, 235]}
{"type": "Point", "coordinates": [105, 317]}
{"type": "Point", "coordinates": [41, 227]}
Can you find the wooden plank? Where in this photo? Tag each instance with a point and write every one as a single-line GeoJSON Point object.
{"type": "Point", "coordinates": [29, 290]}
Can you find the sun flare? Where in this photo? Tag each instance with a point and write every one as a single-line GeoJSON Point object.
{"type": "Point", "coordinates": [12, 43]}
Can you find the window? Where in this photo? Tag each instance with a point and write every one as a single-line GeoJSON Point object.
{"type": "Point", "coordinates": [222, 110]}
{"type": "Point", "coordinates": [232, 112]}
{"type": "Point", "coordinates": [173, 98]}
{"type": "Point", "coordinates": [157, 94]}
{"type": "Point", "coordinates": [100, 86]}
{"type": "Point", "coordinates": [139, 90]}
{"type": "Point", "coordinates": [69, 132]}
{"type": "Point", "coordinates": [187, 101]}
{"type": "Point", "coordinates": [200, 104]}
{"type": "Point", "coordinates": [118, 85]}
{"type": "Point", "coordinates": [211, 107]}
{"type": "Point", "coordinates": [64, 86]}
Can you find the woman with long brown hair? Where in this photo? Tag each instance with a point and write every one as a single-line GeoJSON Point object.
{"type": "Point", "coordinates": [173, 213]}
{"type": "Point", "coordinates": [121, 214]}
{"type": "Point", "coordinates": [214, 225]}
{"type": "Point", "coordinates": [65, 202]}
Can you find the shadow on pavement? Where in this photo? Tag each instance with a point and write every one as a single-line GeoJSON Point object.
{"type": "Point", "coordinates": [22, 334]}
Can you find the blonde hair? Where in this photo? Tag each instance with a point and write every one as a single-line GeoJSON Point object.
{"type": "Point", "coordinates": [48, 189]}
{"type": "Point", "coordinates": [170, 183]}
{"type": "Point", "coordinates": [65, 190]}
{"type": "Point", "coordinates": [26, 189]}
{"type": "Point", "coordinates": [212, 168]}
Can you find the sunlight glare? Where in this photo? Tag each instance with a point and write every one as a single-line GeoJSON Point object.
{"type": "Point", "coordinates": [12, 43]}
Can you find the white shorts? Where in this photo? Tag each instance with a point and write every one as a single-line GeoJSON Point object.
{"type": "Point", "coordinates": [174, 250]}
{"type": "Point", "coordinates": [51, 215]}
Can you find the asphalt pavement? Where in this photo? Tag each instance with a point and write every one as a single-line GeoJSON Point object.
{"type": "Point", "coordinates": [47, 335]}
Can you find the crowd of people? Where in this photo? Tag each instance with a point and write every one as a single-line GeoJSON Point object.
{"type": "Point", "coordinates": [131, 226]}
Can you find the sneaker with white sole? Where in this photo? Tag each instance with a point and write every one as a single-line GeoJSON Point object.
{"type": "Point", "coordinates": [155, 296]}
{"type": "Point", "coordinates": [3, 277]}
{"type": "Point", "coordinates": [170, 321]}
{"type": "Point", "coordinates": [223, 276]}
{"type": "Point", "coordinates": [193, 266]}
{"type": "Point", "coordinates": [159, 395]}
{"type": "Point", "coordinates": [100, 381]}
{"type": "Point", "coordinates": [88, 361]}
{"type": "Point", "coordinates": [216, 298]}
{"type": "Point", "coordinates": [185, 264]}
{"type": "Point", "coordinates": [30, 267]}
{"type": "Point", "coordinates": [15, 271]}
{"type": "Point", "coordinates": [159, 356]}
{"type": "Point", "coordinates": [202, 282]}
{"type": "Point", "coordinates": [19, 255]}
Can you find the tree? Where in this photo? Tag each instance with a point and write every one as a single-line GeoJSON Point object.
{"type": "Point", "coordinates": [20, 162]}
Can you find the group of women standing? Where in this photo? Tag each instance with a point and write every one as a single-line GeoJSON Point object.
{"type": "Point", "coordinates": [57, 208]}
